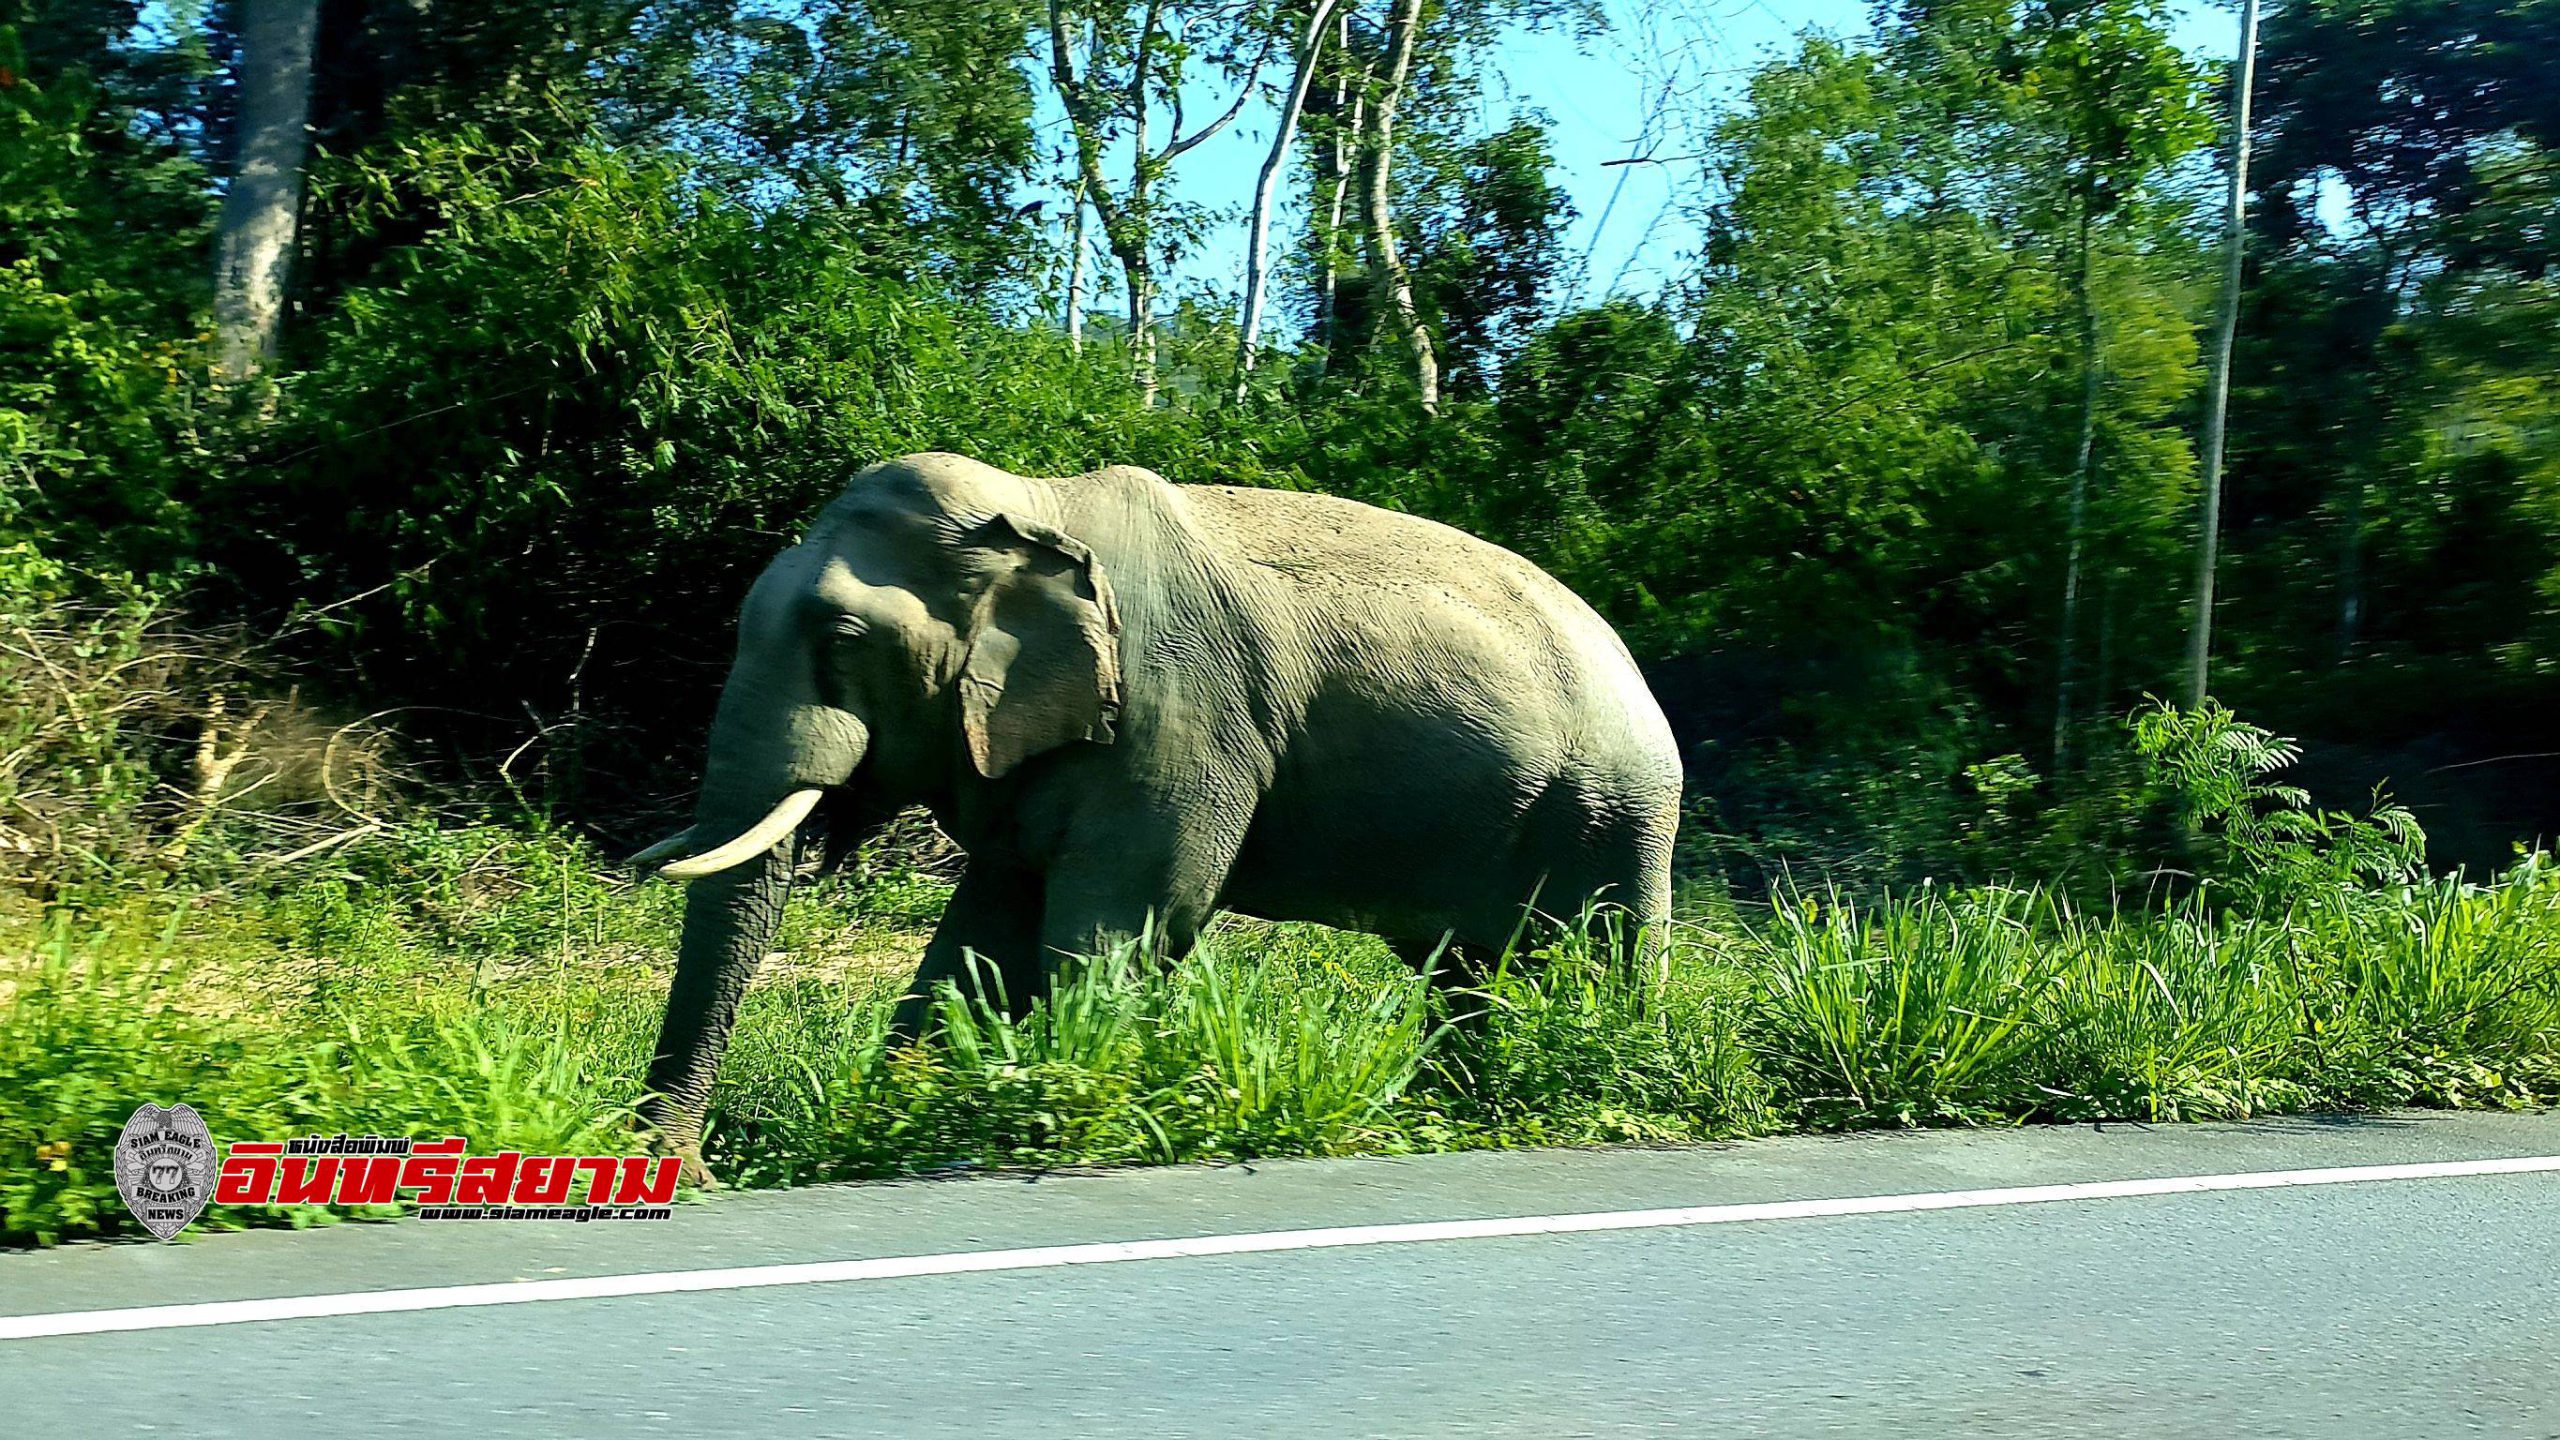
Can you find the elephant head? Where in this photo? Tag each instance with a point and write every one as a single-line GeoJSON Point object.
{"type": "Point", "coordinates": [917, 639]}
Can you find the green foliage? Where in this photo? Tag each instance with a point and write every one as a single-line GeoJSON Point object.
{"type": "Point", "coordinates": [1933, 1008]}
{"type": "Point", "coordinates": [101, 1020]}
{"type": "Point", "coordinates": [2399, 99]}
{"type": "Point", "coordinates": [1240, 1051]}
{"type": "Point", "coordinates": [576, 342]}
{"type": "Point", "coordinates": [1487, 247]}
{"type": "Point", "coordinates": [1576, 1043]}
{"type": "Point", "coordinates": [2393, 425]}
{"type": "Point", "coordinates": [2266, 842]}
{"type": "Point", "coordinates": [1917, 1012]}
{"type": "Point", "coordinates": [2184, 1016]}
{"type": "Point", "coordinates": [596, 395]}
{"type": "Point", "coordinates": [98, 348]}
{"type": "Point", "coordinates": [76, 703]}
{"type": "Point", "coordinates": [92, 1025]}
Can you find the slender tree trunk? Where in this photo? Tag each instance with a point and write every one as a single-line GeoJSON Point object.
{"type": "Point", "coordinates": [2226, 324]}
{"type": "Point", "coordinates": [2106, 681]}
{"type": "Point", "coordinates": [1258, 242]}
{"type": "Point", "coordinates": [2077, 525]}
{"type": "Point", "coordinates": [2351, 569]}
{"type": "Point", "coordinates": [1124, 218]}
{"type": "Point", "coordinates": [1346, 140]}
{"type": "Point", "coordinates": [263, 207]}
{"type": "Point", "coordinates": [1394, 280]}
{"type": "Point", "coordinates": [1074, 317]}
{"type": "Point", "coordinates": [1140, 279]}
{"type": "Point", "coordinates": [1135, 264]}
{"type": "Point", "coordinates": [2355, 601]}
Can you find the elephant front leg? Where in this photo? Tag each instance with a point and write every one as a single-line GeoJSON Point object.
{"type": "Point", "coordinates": [995, 914]}
{"type": "Point", "coordinates": [730, 920]}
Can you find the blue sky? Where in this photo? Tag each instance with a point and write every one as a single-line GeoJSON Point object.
{"type": "Point", "coordinates": [1596, 90]}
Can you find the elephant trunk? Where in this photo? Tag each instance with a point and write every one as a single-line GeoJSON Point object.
{"type": "Point", "coordinates": [774, 754]}
{"type": "Point", "coordinates": [730, 920]}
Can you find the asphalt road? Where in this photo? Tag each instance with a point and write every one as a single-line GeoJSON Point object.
{"type": "Point", "coordinates": [2392, 1308]}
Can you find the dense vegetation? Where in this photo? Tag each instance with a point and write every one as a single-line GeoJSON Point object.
{"type": "Point", "coordinates": [336, 653]}
{"type": "Point", "coordinates": [495, 984]}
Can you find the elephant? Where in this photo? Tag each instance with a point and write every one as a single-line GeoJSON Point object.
{"type": "Point", "coordinates": [1133, 704]}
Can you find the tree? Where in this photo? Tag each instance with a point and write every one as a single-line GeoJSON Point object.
{"type": "Point", "coordinates": [263, 208]}
{"type": "Point", "coordinates": [1393, 279]}
{"type": "Point", "coordinates": [1071, 307]}
{"type": "Point", "coordinates": [2402, 160]}
{"type": "Point", "coordinates": [1257, 264]}
{"type": "Point", "coordinates": [1345, 119]}
{"type": "Point", "coordinates": [1129, 66]}
{"type": "Point", "coordinates": [915, 116]}
{"type": "Point", "coordinates": [2226, 323]}
{"type": "Point", "coordinates": [104, 271]}
{"type": "Point", "coordinates": [1483, 220]}
{"type": "Point", "coordinates": [2115, 102]}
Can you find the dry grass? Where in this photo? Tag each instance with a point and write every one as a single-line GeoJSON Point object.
{"type": "Point", "coordinates": [132, 744]}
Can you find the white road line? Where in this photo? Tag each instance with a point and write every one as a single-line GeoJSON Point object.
{"type": "Point", "coordinates": [828, 1272]}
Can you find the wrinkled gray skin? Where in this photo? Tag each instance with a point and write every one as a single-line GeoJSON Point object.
{"type": "Point", "coordinates": [1130, 701]}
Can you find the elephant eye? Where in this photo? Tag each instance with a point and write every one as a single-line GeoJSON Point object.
{"type": "Point", "coordinates": [842, 654]}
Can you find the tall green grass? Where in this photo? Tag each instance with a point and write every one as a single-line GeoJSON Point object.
{"type": "Point", "coordinates": [1986, 1007]}
{"type": "Point", "coordinates": [94, 1024]}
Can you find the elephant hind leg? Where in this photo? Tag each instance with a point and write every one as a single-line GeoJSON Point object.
{"type": "Point", "coordinates": [1649, 888]}
{"type": "Point", "coordinates": [1618, 877]}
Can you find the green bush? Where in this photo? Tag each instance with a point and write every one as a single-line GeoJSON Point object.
{"type": "Point", "coordinates": [554, 436]}
{"type": "Point", "coordinates": [1235, 1053]}
{"type": "Point", "coordinates": [2263, 842]}
{"type": "Point", "coordinates": [505, 982]}
{"type": "Point", "coordinates": [95, 1027]}
{"type": "Point", "coordinates": [103, 263]}
{"type": "Point", "coordinates": [2183, 1016]}
{"type": "Point", "coordinates": [101, 1021]}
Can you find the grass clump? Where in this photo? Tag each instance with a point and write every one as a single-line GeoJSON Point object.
{"type": "Point", "coordinates": [1269, 1045]}
{"type": "Point", "coordinates": [1575, 1043]}
{"type": "Point", "coordinates": [1918, 1011]}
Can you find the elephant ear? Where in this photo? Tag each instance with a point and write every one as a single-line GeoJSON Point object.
{"type": "Point", "coordinates": [1043, 666]}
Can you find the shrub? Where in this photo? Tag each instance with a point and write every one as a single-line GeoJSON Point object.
{"type": "Point", "coordinates": [2265, 843]}
{"type": "Point", "coordinates": [136, 748]}
{"type": "Point", "coordinates": [102, 1019]}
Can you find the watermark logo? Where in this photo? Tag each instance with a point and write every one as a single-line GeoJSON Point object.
{"type": "Point", "coordinates": [168, 1169]}
{"type": "Point", "coordinates": [165, 1167]}
{"type": "Point", "coordinates": [446, 1181]}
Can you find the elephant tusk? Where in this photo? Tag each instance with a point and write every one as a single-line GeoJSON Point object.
{"type": "Point", "coordinates": [766, 834]}
{"type": "Point", "coordinates": [675, 844]}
